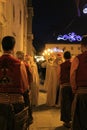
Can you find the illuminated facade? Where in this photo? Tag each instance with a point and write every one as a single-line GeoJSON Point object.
{"type": "Point", "coordinates": [73, 48]}
{"type": "Point", "coordinates": [13, 21]}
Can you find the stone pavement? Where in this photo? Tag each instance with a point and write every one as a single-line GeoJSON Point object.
{"type": "Point", "coordinates": [46, 118]}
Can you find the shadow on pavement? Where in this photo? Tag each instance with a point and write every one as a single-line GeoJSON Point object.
{"type": "Point", "coordinates": [43, 107]}
{"type": "Point", "coordinates": [61, 128]}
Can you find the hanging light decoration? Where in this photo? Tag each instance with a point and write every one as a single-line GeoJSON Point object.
{"type": "Point", "coordinates": [72, 37]}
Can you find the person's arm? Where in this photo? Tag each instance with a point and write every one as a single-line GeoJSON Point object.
{"type": "Point", "coordinates": [29, 74]}
{"type": "Point", "coordinates": [74, 66]}
{"type": "Point", "coordinates": [24, 77]}
{"type": "Point", "coordinates": [59, 71]}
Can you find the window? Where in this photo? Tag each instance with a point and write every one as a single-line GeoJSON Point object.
{"type": "Point", "coordinates": [71, 47]}
{"type": "Point", "coordinates": [20, 17]}
{"type": "Point", "coordinates": [13, 13]}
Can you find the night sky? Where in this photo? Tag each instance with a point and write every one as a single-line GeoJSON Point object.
{"type": "Point", "coordinates": [51, 17]}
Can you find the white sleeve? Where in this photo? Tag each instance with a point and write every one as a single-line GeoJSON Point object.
{"type": "Point", "coordinates": [24, 76]}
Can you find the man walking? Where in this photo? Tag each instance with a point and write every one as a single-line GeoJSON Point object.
{"type": "Point", "coordinates": [66, 91]}
{"type": "Point", "coordinates": [78, 78]}
{"type": "Point", "coordinates": [13, 84]}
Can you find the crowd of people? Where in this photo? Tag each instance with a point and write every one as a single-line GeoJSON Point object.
{"type": "Point", "coordinates": [19, 87]}
{"type": "Point", "coordinates": [65, 82]}
{"type": "Point", "coordinates": [66, 87]}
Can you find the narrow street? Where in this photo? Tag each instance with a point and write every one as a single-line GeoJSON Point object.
{"type": "Point", "coordinates": [46, 118]}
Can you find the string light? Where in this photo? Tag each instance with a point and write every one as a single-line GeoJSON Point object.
{"type": "Point", "coordinates": [72, 37]}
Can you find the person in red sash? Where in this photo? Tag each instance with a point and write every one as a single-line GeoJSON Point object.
{"type": "Point", "coordinates": [78, 79]}
{"type": "Point", "coordinates": [66, 91]}
{"type": "Point", "coordinates": [13, 85]}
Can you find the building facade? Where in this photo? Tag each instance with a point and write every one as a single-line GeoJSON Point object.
{"type": "Point", "coordinates": [30, 48]}
{"type": "Point", "coordinates": [14, 19]}
{"type": "Point", "coordinates": [75, 49]}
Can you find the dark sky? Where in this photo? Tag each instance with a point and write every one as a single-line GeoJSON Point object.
{"type": "Point", "coordinates": [51, 17]}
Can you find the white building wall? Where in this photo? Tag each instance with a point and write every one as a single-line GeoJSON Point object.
{"type": "Point", "coordinates": [30, 47]}
{"type": "Point", "coordinates": [3, 20]}
{"type": "Point", "coordinates": [13, 21]}
{"type": "Point", "coordinates": [17, 22]}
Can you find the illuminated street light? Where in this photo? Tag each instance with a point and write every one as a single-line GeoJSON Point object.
{"type": "Point", "coordinates": [85, 9]}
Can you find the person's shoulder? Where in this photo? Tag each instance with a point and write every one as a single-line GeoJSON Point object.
{"type": "Point", "coordinates": [0, 57]}
{"type": "Point", "coordinates": [62, 63]}
{"type": "Point", "coordinates": [26, 64]}
{"type": "Point", "coordinates": [15, 60]}
{"type": "Point", "coordinates": [79, 54]}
